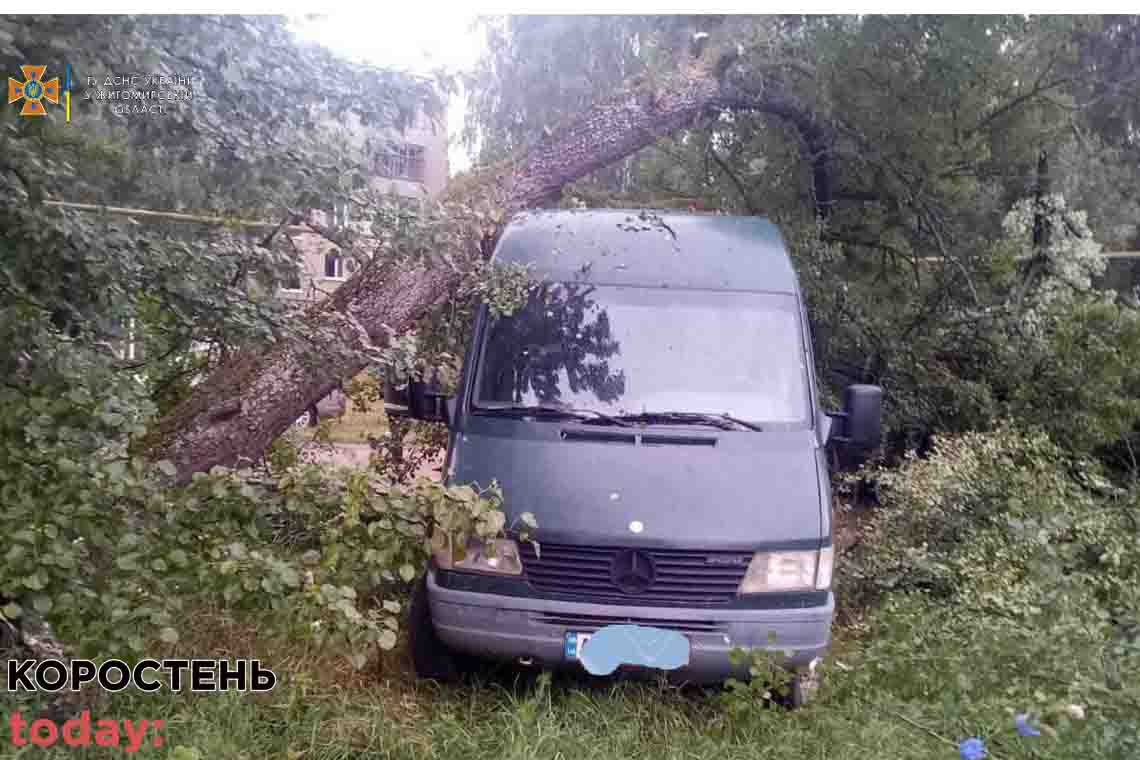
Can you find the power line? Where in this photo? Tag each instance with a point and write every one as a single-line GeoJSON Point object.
{"type": "Point", "coordinates": [176, 216]}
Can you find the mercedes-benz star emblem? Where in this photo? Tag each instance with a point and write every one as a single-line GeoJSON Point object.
{"type": "Point", "coordinates": [632, 571]}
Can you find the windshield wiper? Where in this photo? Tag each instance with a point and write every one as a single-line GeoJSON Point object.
{"type": "Point", "coordinates": [722, 421]}
{"type": "Point", "coordinates": [552, 412]}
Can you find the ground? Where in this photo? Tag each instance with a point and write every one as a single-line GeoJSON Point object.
{"type": "Point", "coordinates": [324, 710]}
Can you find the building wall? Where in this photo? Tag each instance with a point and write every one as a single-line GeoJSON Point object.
{"type": "Point", "coordinates": [433, 138]}
{"type": "Point", "coordinates": [314, 249]}
{"type": "Point", "coordinates": [314, 282]}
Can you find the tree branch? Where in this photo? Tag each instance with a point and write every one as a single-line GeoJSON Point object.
{"type": "Point", "coordinates": [749, 206]}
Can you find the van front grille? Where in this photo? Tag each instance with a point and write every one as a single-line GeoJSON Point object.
{"type": "Point", "coordinates": [590, 623]}
{"type": "Point", "coordinates": [680, 577]}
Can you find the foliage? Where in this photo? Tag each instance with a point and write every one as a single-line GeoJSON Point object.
{"type": "Point", "coordinates": [1002, 548]}
{"type": "Point", "coordinates": [106, 551]}
{"type": "Point", "coordinates": [1040, 337]}
{"type": "Point", "coordinates": [254, 138]}
{"type": "Point", "coordinates": [119, 553]}
{"type": "Point", "coordinates": [766, 681]}
{"type": "Point", "coordinates": [406, 447]}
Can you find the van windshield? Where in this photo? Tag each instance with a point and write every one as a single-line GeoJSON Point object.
{"type": "Point", "coordinates": [638, 351]}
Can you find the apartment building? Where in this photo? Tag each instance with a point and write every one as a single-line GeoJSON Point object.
{"type": "Point", "coordinates": [412, 163]}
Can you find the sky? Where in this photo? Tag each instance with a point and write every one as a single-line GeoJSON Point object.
{"type": "Point", "coordinates": [418, 39]}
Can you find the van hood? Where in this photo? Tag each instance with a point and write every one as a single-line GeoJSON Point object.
{"type": "Point", "coordinates": [655, 487]}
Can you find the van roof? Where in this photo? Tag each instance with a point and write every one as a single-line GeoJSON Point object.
{"type": "Point", "coordinates": [650, 249]}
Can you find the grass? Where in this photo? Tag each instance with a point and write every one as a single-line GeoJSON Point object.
{"type": "Point", "coordinates": [355, 426]}
{"type": "Point", "coordinates": [323, 710]}
{"type": "Point", "coordinates": [536, 719]}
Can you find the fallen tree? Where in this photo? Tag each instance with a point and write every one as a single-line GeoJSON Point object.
{"type": "Point", "coordinates": [249, 401]}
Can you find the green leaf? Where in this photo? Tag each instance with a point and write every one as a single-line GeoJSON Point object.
{"type": "Point", "coordinates": [37, 581]}
{"type": "Point", "coordinates": [12, 611]}
{"type": "Point", "coordinates": [168, 635]}
{"type": "Point", "coordinates": [116, 470]}
{"type": "Point", "coordinates": [407, 572]}
{"type": "Point", "coordinates": [387, 640]}
{"type": "Point", "coordinates": [43, 604]}
{"type": "Point", "coordinates": [167, 467]}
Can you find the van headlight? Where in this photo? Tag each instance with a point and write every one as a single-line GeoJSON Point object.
{"type": "Point", "coordinates": [789, 571]}
{"type": "Point", "coordinates": [499, 556]}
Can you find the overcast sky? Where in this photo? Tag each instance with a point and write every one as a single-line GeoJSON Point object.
{"type": "Point", "coordinates": [420, 39]}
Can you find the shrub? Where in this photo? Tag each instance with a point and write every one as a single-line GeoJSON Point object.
{"type": "Point", "coordinates": [102, 549]}
{"type": "Point", "coordinates": [1002, 549]}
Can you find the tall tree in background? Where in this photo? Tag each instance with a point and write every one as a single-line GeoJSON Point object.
{"type": "Point", "coordinates": [256, 140]}
{"type": "Point", "coordinates": [879, 144]}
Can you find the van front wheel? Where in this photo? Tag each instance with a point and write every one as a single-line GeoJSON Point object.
{"type": "Point", "coordinates": [430, 657]}
{"type": "Point", "coordinates": [804, 687]}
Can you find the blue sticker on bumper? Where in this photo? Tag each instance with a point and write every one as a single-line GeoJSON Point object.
{"type": "Point", "coordinates": [617, 645]}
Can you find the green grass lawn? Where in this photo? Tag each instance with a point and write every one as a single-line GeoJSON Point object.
{"type": "Point", "coordinates": [562, 719]}
{"type": "Point", "coordinates": [323, 710]}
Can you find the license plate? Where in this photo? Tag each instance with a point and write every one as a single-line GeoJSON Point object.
{"type": "Point", "coordinates": [573, 643]}
{"type": "Point", "coordinates": [628, 646]}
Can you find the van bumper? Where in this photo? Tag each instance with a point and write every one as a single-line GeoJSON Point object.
{"type": "Point", "coordinates": [511, 628]}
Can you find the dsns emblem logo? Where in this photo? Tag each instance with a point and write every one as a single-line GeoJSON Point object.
{"type": "Point", "coordinates": [34, 90]}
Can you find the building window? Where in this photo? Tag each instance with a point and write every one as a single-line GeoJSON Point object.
{"type": "Point", "coordinates": [402, 161]}
{"type": "Point", "coordinates": [127, 343]}
{"type": "Point", "coordinates": [340, 216]}
{"type": "Point", "coordinates": [334, 266]}
{"type": "Point", "coordinates": [338, 267]}
{"type": "Point", "coordinates": [293, 280]}
{"type": "Point", "coordinates": [132, 350]}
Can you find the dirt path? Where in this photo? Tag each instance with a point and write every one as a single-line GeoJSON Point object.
{"type": "Point", "coordinates": [357, 455]}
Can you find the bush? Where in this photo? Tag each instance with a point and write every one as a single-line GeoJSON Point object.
{"type": "Point", "coordinates": [105, 551]}
{"type": "Point", "coordinates": [1002, 549]}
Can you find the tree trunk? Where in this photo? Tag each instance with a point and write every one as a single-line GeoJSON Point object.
{"type": "Point", "coordinates": [242, 407]}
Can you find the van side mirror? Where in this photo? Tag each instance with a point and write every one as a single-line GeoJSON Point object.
{"type": "Point", "coordinates": [858, 428]}
{"type": "Point", "coordinates": [427, 401]}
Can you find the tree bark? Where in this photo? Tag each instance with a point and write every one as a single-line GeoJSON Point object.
{"type": "Point", "coordinates": [242, 407]}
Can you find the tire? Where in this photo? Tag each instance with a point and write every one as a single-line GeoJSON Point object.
{"type": "Point", "coordinates": [802, 689]}
{"type": "Point", "coordinates": [431, 659]}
